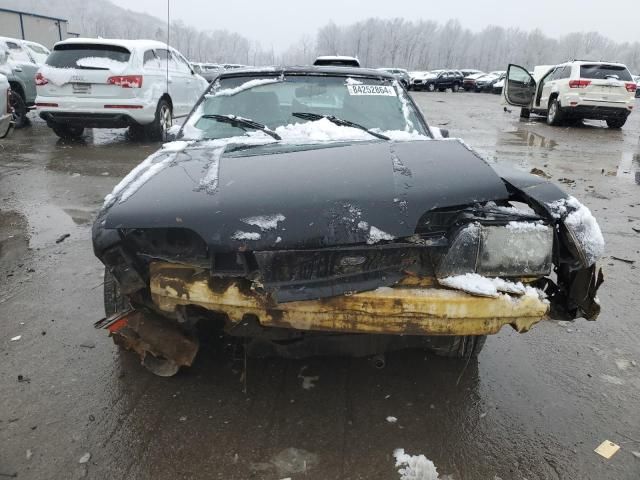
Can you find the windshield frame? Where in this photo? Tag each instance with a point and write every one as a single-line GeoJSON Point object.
{"type": "Point", "coordinates": [258, 73]}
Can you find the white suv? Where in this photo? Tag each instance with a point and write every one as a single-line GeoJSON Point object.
{"type": "Point", "coordinates": [574, 91]}
{"type": "Point", "coordinates": [97, 83]}
{"type": "Point", "coordinates": [6, 116]}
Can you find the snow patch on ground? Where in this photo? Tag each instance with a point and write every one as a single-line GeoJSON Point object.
{"type": "Point", "coordinates": [488, 287]}
{"type": "Point", "coordinates": [583, 224]}
{"type": "Point", "coordinates": [414, 467]}
{"type": "Point", "coordinates": [391, 419]}
{"type": "Point", "coordinates": [227, 92]}
{"type": "Point", "coordinates": [265, 222]}
{"type": "Point", "coordinates": [376, 235]}
{"type": "Point", "coordinates": [240, 235]}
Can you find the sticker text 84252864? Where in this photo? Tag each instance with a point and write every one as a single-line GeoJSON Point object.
{"type": "Point", "coordinates": [372, 90]}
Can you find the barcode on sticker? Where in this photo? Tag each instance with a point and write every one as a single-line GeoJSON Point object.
{"type": "Point", "coordinates": [371, 90]}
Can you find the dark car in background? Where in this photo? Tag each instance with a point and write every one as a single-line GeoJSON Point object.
{"type": "Point", "coordinates": [443, 80]}
{"type": "Point", "coordinates": [486, 82]}
{"type": "Point", "coordinates": [469, 81]}
{"type": "Point", "coordinates": [312, 210]}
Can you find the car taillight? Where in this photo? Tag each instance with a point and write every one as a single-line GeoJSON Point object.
{"type": "Point", "coordinates": [579, 83]}
{"type": "Point", "coordinates": [631, 87]}
{"type": "Point", "coordinates": [126, 81]}
{"type": "Point", "coordinates": [40, 80]}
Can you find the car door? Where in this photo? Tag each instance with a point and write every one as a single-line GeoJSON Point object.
{"type": "Point", "coordinates": [548, 85]}
{"type": "Point", "coordinates": [519, 87]}
{"type": "Point", "coordinates": [24, 68]}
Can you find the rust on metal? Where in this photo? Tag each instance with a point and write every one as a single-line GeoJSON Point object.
{"type": "Point", "coordinates": [411, 308]}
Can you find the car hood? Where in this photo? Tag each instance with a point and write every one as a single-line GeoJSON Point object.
{"type": "Point", "coordinates": [312, 197]}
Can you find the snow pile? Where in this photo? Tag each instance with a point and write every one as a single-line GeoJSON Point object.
{"type": "Point", "coordinates": [376, 235]}
{"type": "Point", "coordinates": [228, 92]}
{"type": "Point", "coordinates": [414, 467]}
{"type": "Point", "coordinates": [392, 419]}
{"type": "Point", "coordinates": [352, 81]}
{"type": "Point", "coordinates": [240, 235]}
{"type": "Point", "coordinates": [527, 226]}
{"type": "Point", "coordinates": [209, 181]}
{"type": "Point", "coordinates": [102, 63]}
{"type": "Point", "coordinates": [57, 76]}
{"type": "Point", "coordinates": [265, 222]}
{"type": "Point", "coordinates": [582, 224]}
{"type": "Point", "coordinates": [324, 130]}
{"type": "Point", "coordinates": [487, 287]}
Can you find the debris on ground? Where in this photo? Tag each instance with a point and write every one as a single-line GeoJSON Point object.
{"type": "Point", "coordinates": [29, 454]}
{"type": "Point", "coordinates": [307, 382]}
{"type": "Point", "coordinates": [539, 172]}
{"type": "Point", "coordinates": [414, 467]}
{"type": "Point", "coordinates": [567, 181]}
{"type": "Point", "coordinates": [636, 454]}
{"type": "Point", "coordinates": [22, 378]}
{"type": "Point", "coordinates": [636, 229]}
{"type": "Point", "coordinates": [88, 344]}
{"type": "Point", "coordinates": [16, 338]}
{"type": "Point", "coordinates": [62, 237]}
{"type": "Point", "coordinates": [607, 449]}
{"type": "Point", "coordinates": [85, 458]}
{"type": "Point", "coordinates": [625, 260]}
{"type": "Point", "coordinates": [294, 460]}
{"type": "Point", "coordinates": [391, 419]}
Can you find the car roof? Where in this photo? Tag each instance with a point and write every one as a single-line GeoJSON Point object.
{"type": "Point", "coordinates": [335, 57]}
{"type": "Point", "coordinates": [128, 44]}
{"type": "Point", "coordinates": [330, 70]}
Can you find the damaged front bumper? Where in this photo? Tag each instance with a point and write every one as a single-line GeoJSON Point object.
{"type": "Point", "coordinates": [411, 308]}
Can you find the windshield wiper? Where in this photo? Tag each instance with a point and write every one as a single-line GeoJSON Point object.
{"type": "Point", "coordinates": [338, 121]}
{"type": "Point", "coordinates": [241, 122]}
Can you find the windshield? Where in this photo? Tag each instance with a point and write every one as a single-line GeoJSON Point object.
{"type": "Point", "coordinates": [67, 55]}
{"type": "Point", "coordinates": [276, 102]}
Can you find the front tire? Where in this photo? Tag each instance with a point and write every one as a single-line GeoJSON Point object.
{"type": "Point", "coordinates": [68, 133]}
{"type": "Point", "coordinates": [19, 109]}
{"type": "Point", "coordinates": [455, 88]}
{"type": "Point", "coordinates": [554, 114]}
{"type": "Point", "coordinates": [468, 346]}
{"type": "Point", "coordinates": [616, 122]}
{"type": "Point", "coordinates": [157, 131]}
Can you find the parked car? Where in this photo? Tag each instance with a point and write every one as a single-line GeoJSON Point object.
{"type": "Point", "coordinates": [442, 80]}
{"type": "Point", "coordinates": [498, 85]}
{"type": "Point", "coordinates": [97, 83]}
{"type": "Point", "coordinates": [637, 80]}
{"type": "Point", "coordinates": [309, 211]}
{"type": "Point", "coordinates": [469, 82]}
{"type": "Point", "coordinates": [419, 78]}
{"type": "Point", "coordinates": [336, 61]}
{"type": "Point", "coordinates": [401, 75]}
{"type": "Point", "coordinates": [6, 112]}
{"type": "Point", "coordinates": [485, 83]}
{"type": "Point", "coordinates": [208, 71]}
{"type": "Point", "coordinates": [467, 72]}
{"type": "Point", "coordinates": [574, 91]}
{"type": "Point", "coordinates": [22, 64]}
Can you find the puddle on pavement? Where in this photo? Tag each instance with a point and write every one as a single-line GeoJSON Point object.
{"type": "Point", "coordinates": [523, 137]}
{"type": "Point", "coordinates": [629, 167]}
{"type": "Point", "coordinates": [14, 237]}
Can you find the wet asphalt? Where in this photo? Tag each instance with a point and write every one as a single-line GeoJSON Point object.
{"type": "Point", "coordinates": [534, 406]}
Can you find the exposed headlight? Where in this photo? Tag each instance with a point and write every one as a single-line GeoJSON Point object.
{"type": "Point", "coordinates": [518, 249]}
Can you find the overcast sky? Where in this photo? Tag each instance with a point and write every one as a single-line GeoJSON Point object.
{"type": "Point", "coordinates": [278, 23]}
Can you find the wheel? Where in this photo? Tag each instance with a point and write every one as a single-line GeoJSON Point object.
{"type": "Point", "coordinates": [554, 115]}
{"type": "Point", "coordinates": [68, 133]}
{"type": "Point", "coordinates": [19, 108]}
{"type": "Point", "coordinates": [442, 89]}
{"type": "Point", "coordinates": [114, 301]}
{"type": "Point", "coordinates": [457, 346]}
{"type": "Point", "coordinates": [455, 88]}
{"type": "Point", "coordinates": [525, 113]}
{"type": "Point", "coordinates": [431, 87]}
{"type": "Point", "coordinates": [157, 131]}
{"type": "Point", "coordinates": [616, 122]}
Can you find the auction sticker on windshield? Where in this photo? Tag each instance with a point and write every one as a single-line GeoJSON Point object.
{"type": "Point", "coordinates": [371, 90]}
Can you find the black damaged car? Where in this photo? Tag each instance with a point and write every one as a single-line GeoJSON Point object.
{"type": "Point", "coordinates": [311, 210]}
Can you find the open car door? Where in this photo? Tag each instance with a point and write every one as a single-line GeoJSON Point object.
{"type": "Point", "coordinates": [519, 87]}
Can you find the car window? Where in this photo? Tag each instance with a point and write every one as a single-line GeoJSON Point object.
{"type": "Point", "coordinates": [150, 60]}
{"type": "Point", "coordinates": [602, 71]}
{"type": "Point", "coordinates": [273, 103]}
{"type": "Point", "coordinates": [17, 53]}
{"type": "Point", "coordinates": [67, 55]}
{"type": "Point", "coordinates": [38, 53]}
{"type": "Point", "coordinates": [182, 65]}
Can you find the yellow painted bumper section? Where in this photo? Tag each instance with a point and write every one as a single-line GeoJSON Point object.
{"type": "Point", "coordinates": [406, 310]}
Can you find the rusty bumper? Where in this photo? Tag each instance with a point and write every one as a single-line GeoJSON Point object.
{"type": "Point", "coordinates": [404, 310]}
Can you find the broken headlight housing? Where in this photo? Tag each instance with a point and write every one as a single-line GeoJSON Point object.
{"type": "Point", "coordinates": [518, 249]}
